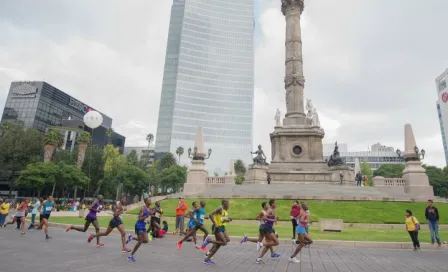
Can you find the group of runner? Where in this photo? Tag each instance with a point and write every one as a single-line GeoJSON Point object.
{"type": "Point", "coordinates": [219, 217]}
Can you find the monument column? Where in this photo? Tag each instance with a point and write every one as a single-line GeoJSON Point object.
{"type": "Point", "coordinates": [294, 79]}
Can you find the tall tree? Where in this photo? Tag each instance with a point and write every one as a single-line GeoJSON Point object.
{"type": "Point", "coordinates": [389, 171]}
{"type": "Point", "coordinates": [173, 178]}
{"type": "Point", "coordinates": [180, 152]}
{"type": "Point", "coordinates": [133, 180]}
{"type": "Point", "coordinates": [438, 179]}
{"type": "Point", "coordinates": [240, 168]}
{"type": "Point", "coordinates": [366, 170]}
{"type": "Point", "coordinates": [52, 140]}
{"type": "Point", "coordinates": [109, 133]}
{"type": "Point", "coordinates": [83, 141]}
{"type": "Point", "coordinates": [113, 161]}
{"type": "Point", "coordinates": [37, 175]}
{"type": "Point", "coordinates": [132, 158]}
{"type": "Point", "coordinates": [167, 161]}
{"type": "Point", "coordinates": [149, 139]}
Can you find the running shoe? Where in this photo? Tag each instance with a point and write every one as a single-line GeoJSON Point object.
{"type": "Point", "coordinates": [259, 246]}
{"type": "Point", "coordinates": [208, 261]}
{"type": "Point", "coordinates": [179, 245]}
{"type": "Point", "coordinates": [293, 260]}
{"type": "Point", "coordinates": [150, 237]}
{"type": "Point", "coordinates": [22, 233]}
{"type": "Point", "coordinates": [16, 229]}
{"type": "Point", "coordinates": [204, 249]}
{"type": "Point", "coordinates": [197, 246]}
{"type": "Point", "coordinates": [100, 244]}
{"type": "Point", "coordinates": [47, 238]}
{"type": "Point", "coordinates": [275, 255]}
{"type": "Point", "coordinates": [206, 242]}
{"type": "Point", "coordinates": [90, 238]}
{"type": "Point", "coordinates": [68, 228]}
{"type": "Point", "coordinates": [259, 261]}
{"type": "Point", "coordinates": [129, 239]}
{"type": "Point", "coordinates": [244, 239]}
{"type": "Point", "coordinates": [125, 250]}
{"type": "Point", "coordinates": [131, 259]}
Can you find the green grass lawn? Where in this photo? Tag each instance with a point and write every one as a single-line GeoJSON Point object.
{"type": "Point", "coordinates": [349, 211]}
{"type": "Point", "coordinates": [251, 229]}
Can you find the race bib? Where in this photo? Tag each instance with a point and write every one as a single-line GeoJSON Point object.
{"type": "Point", "coordinates": [224, 218]}
{"type": "Point", "coordinates": [146, 220]}
{"type": "Point", "coordinates": [202, 216]}
{"type": "Point", "coordinates": [195, 216]}
{"type": "Point", "coordinates": [48, 209]}
{"type": "Point", "coordinates": [157, 214]}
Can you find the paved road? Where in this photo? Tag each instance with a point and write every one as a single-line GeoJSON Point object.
{"type": "Point", "coordinates": [70, 252]}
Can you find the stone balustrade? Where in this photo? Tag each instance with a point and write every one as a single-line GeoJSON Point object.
{"type": "Point", "coordinates": [389, 182]}
{"type": "Point", "coordinates": [215, 180]}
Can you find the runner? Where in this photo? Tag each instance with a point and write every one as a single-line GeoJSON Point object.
{"type": "Point", "coordinates": [271, 239]}
{"type": "Point", "coordinates": [261, 235]}
{"type": "Point", "coordinates": [154, 225]}
{"type": "Point", "coordinates": [39, 210]}
{"type": "Point", "coordinates": [220, 218]}
{"type": "Point", "coordinates": [197, 216]}
{"type": "Point", "coordinates": [301, 233]}
{"type": "Point", "coordinates": [91, 218]}
{"type": "Point", "coordinates": [34, 212]}
{"type": "Point", "coordinates": [140, 228]}
{"type": "Point", "coordinates": [115, 222]}
{"type": "Point", "coordinates": [20, 215]}
{"type": "Point", "coordinates": [46, 207]}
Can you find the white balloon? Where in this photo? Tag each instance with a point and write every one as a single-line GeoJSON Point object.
{"type": "Point", "coordinates": [93, 119]}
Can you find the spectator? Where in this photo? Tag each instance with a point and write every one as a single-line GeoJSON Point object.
{"type": "Point", "coordinates": [432, 216]}
{"type": "Point", "coordinates": [34, 213]}
{"type": "Point", "coordinates": [4, 210]}
{"type": "Point", "coordinates": [180, 215]}
{"type": "Point", "coordinates": [358, 178]}
{"type": "Point", "coordinates": [341, 176]}
{"type": "Point", "coordinates": [412, 226]}
{"type": "Point", "coordinates": [294, 213]}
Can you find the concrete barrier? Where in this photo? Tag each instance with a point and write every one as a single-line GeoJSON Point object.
{"type": "Point", "coordinates": [336, 225]}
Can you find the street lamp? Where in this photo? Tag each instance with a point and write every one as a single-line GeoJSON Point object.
{"type": "Point", "coordinates": [398, 152]}
{"type": "Point", "coordinates": [195, 156]}
{"type": "Point", "coordinates": [419, 154]}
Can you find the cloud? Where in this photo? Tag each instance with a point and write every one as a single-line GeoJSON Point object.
{"type": "Point", "coordinates": [369, 65]}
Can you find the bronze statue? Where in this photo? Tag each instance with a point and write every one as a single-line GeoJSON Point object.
{"type": "Point", "coordinates": [260, 158]}
{"type": "Point", "coordinates": [335, 158]}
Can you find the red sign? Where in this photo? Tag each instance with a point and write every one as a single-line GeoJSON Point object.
{"type": "Point", "coordinates": [445, 97]}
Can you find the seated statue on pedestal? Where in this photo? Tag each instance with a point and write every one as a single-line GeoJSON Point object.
{"type": "Point", "coordinates": [335, 158]}
{"type": "Point", "coordinates": [260, 158]}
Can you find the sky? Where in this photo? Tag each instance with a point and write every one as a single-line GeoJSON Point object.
{"type": "Point", "coordinates": [370, 66]}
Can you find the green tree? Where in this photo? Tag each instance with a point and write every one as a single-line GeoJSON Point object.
{"type": "Point", "coordinates": [172, 179]}
{"type": "Point", "coordinates": [438, 179]}
{"type": "Point", "coordinates": [133, 180]}
{"type": "Point", "coordinates": [36, 175]}
{"type": "Point", "coordinates": [132, 158]}
{"type": "Point", "coordinates": [389, 171]}
{"type": "Point", "coordinates": [240, 168]}
{"type": "Point", "coordinates": [52, 140]}
{"type": "Point", "coordinates": [64, 156]}
{"type": "Point", "coordinates": [149, 139]}
{"type": "Point", "coordinates": [113, 161]}
{"type": "Point", "coordinates": [167, 161]}
{"type": "Point", "coordinates": [366, 170]}
{"type": "Point", "coordinates": [109, 133]}
{"type": "Point", "coordinates": [144, 160]}
{"type": "Point", "coordinates": [93, 167]}
{"type": "Point", "coordinates": [239, 180]}
{"type": "Point", "coordinates": [83, 141]}
{"type": "Point", "coordinates": [180, 152]}
{"type": "Point", "coordinates": [18, 147]}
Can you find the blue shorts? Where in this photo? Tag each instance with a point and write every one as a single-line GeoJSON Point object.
{"type": "Point", "coordinates": [300, 230]}
{"type": "Point", "coordinates": [191, 224]}
{"type": "Point", "coordinates": [140, 230]}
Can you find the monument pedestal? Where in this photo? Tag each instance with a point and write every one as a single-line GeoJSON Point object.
{"type": "Point", "coordinates": [417, 182]}
{"type": "Point", "coordinates": [196, 178]}
{"type": "Point", "coordinates": [256, 173]}
{"type": "Point", "coordinates": [349, 175]}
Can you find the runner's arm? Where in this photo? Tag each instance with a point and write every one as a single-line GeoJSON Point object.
{"type": "Point", "coordinates": [212, 215]}
{"type": "Point", "coordinates": [260, 216]}
{"type": "Point", "coordinates": [40, 206]}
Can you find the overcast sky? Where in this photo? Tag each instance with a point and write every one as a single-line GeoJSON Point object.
{"type": "Point", "coordinates": [369, 65]}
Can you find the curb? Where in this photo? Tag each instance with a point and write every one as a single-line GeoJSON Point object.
{"type": "Point", "coordinates": [319, 243]}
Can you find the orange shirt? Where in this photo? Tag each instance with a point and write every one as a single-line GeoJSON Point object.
{"type": "Point", "coordinates": [181, 210]}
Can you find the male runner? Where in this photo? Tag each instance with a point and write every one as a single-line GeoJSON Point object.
{"type": "Point", "coordinates": [140, 228]}
{"type": "Point", "coordinates": [46, 207]}
{"type": "Point", "coordinates": [154, 225]}
{"type": "Point", "coordinates": [20, 215]}
{"type": "Point", "coordinates": [197, 216]}
{"type": "Point", "coordinates": [220, 218]}
{"type": "Point", "coordinates": [269, 234]}
{"type": "Point", "coordinates": [115, 222]}
{"type": "Point", "coordinates": [261, 235]}
{"type": "Point", "coordinates": [91, 218]}
{"type": "Point", "coordinates": [302, 235]}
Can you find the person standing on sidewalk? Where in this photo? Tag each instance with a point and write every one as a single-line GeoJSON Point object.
{"type": "Point", "coordinates": [34, 213]}
{"type": "Point", "coordinates": [412, 226]}
{"type": "Point", "coordinates": [294, 213]}
{"type": "Point", "coordinates": [180, 215]}
{"type": "Point", "coordinates": [432, 216]}
{"type": "Point", "coordinates": [4, 210]}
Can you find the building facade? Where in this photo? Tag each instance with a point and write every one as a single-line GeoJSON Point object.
{"type": "Point", "coordinates": [39, 105]}
{"type": "Point", "coordinates": [141, 150]}
{"type": "Point", "coordinates": [209, 80]}
{"type": "Point", "coordinates": [376, 156]}
{"type": "Point", "coordinates": [442, 108]}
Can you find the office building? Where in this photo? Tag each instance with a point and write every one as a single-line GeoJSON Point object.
{"type": "Point", "coordinates": [38, 105]}
{"type": "Point", "coordinates": [375, 156]}
{"type": "Point", "coordinates": [209, 80]}
{"type": "Point", "coordinates": [141, 150]}
{"type": "Point", "coordinates": [442, 108]}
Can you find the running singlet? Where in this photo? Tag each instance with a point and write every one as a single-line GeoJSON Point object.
{"type": "Point", "coordinates": [262, 222]}
{"type": "Point", "coordinates": [47, 207]}
{"type": "Point", "coordinates": [305, 218]}
{"type": "Point", "coordinates": [157, 214]}
{"type": "Point", "coordinates": [201, 215]}
{"type": "Point", "coordinates": [221, 217]}
{"type": "Point", "coordinates": [141, 224]}
{"type": "Point", "coordinates": [93, 211]}
{"type": "Point", "coordinates": [192, 221]}
{"type": "Point", "coordinates": [270, 223]}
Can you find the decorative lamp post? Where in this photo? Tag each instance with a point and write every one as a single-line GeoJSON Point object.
{"type": "Point", "coordinates": [195, 156]}
{"type": "Point", "coordinates": [420, 154]}
{"type": "Point", "coordinates": [398, 153]}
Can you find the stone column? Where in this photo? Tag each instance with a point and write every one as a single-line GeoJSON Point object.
{"type": "Point", "coordinates": [294, 80]}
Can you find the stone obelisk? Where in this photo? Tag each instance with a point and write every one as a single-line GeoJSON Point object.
{"type": "Point", "coordinates": [297, 153]}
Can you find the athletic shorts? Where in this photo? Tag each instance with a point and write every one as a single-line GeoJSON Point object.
{"type": "Point", "coordinates": [115, 222]}
{"type": "Point", "coordinates": [219, 229]}
{"type": "Point", "coordinates": [44, 216]}
{"type": "Point", "coordinates": [261, 228]}
{"type": "Point", "coordinates": [268, 230]}
{"type": "Point", "coordinates": [18, 217]}
{"type": "Point", "coordinates": [300, 229]}
{"type": "Point", "coordinates": [191, 224]}
{"type": "Point", "coordinates": [155, 219]}
{"type": "Point", "coordinates": [90, 219]}
{"type": "Point", "coordinates": [140, 230]}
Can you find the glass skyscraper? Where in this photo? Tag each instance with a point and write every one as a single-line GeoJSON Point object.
{"type": "Point", "coordinates": [209, 80]}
